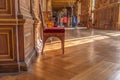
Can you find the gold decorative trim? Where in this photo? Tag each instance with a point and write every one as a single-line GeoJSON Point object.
{"type": "Point", "coordinates": [6, 8]}
{"type": "Point", "coordinates": [4, 55]}
{"type": "Point", "coordinates": [9, 14]}
{"type": "Point", "coordinates": [14, 24]}
{"type": "Point", "coordinates": [110, 5]}
{"type": "Point", "coordinates": [6, 59]}
{"type": "Point", "coordinates": [13, 19]}
{"type": "Point", "coordinates": [8, 36]}
{"type": "Point", "coordinates": [13, 45]}
{"type": "Point", "coordinates": [9, 45]}
{"type": "Point", "coordinates": [7, 41]}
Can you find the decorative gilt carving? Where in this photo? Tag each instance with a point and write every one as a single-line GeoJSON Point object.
{"type": "Point", "coordinates": [107, 14]}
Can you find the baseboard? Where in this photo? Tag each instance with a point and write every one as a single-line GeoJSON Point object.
{"type": "Point", "coordinates": [24, 66]}
{"type": "Point", "coordinates": [8, 68]}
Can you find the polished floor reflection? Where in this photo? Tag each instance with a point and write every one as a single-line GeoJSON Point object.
{"type": "Point", "coordinates": [89, 55]}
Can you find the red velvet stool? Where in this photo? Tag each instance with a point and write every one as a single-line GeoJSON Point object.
{"type": "Point", "coordinates": [54, 32]}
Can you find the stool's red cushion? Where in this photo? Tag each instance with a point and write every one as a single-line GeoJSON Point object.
{"type": "Point", "coordinates": [54, 30]}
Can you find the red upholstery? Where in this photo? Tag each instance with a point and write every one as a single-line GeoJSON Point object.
{"type": "Point", "coordinates": [54, 30]}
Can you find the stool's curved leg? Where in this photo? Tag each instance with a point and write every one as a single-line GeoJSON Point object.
{"type": "Point", "coordinates": [63, 46]}
{"type": "Point", "coordinates": [62, 43]}
{"type": "Point", "coordinates": [44, 40]}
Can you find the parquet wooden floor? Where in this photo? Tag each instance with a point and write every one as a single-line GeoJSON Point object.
{"type": "Point", "coordinates": [89, 55]}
